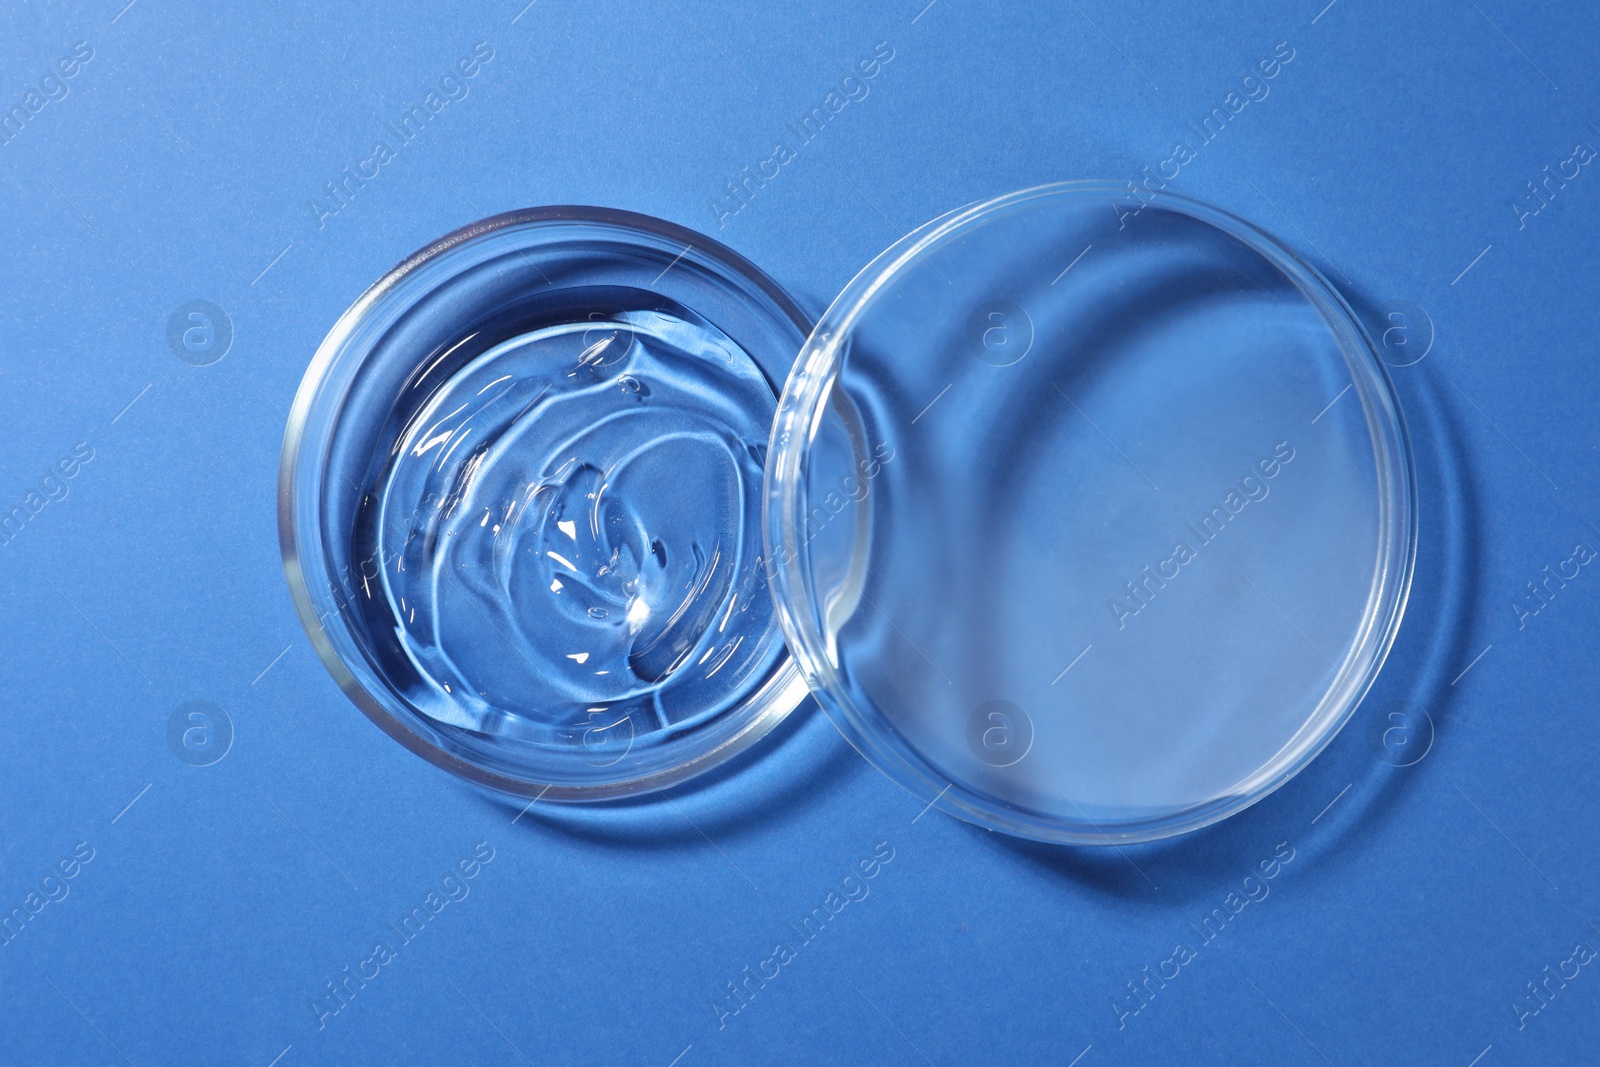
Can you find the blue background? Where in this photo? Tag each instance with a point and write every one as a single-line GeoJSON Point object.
{"type": "Point", "coordinates": [181, 165]}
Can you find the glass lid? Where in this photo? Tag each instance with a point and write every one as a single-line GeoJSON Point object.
{"type": "Point", "coordinates": [1090, 516]}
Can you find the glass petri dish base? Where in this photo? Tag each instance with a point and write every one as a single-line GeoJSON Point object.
{"type": "Point", "coordinates": [519, 503]}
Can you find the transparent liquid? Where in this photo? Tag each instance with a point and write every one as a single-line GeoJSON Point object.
{"type": "Point", "coordinates": [569, 533]}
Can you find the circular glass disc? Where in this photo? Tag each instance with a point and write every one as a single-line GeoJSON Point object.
{"type": "Point", "coordinates": [1092, 517]}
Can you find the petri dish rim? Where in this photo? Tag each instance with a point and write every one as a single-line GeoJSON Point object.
{"type": "Point", "coordinates": [802, 408]}
{"type": "Point", "coordinates": [302, 465]}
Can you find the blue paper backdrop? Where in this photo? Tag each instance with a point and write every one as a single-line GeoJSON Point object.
{"type": "Point", "coordinates": [174, 913]}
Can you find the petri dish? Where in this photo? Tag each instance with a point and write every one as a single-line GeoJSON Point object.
{"type": "Point", "coordinates": [520, 496]}
{"type": "Point", "coordinates": [1087, 513]}
{"type": "Point", "coordinates": [1091, 515]}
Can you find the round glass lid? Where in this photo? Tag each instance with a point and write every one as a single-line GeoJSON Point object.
{"type": "Point", "coordinates": [520, 502]}
{"type": "Point", "coordinates": [1091, 516]}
